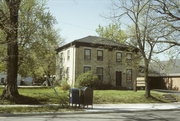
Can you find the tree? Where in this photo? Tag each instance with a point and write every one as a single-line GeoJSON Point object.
{"type": "Point", "coordinates": [10, 26]}
{"type": "Point", "coordinates": [36, 36]}
{"type": "Point", "coordinates": [167, 12]}
{"type": "Point", "coordinates": [36, 40]}
{"type": "Point", "coordinates": [145, 31]}
{"type": "Point", "coordinates": [112, 32]}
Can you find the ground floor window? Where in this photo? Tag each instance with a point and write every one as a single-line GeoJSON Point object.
{"type": "Point", "coordinates": [87, 68]}
{"type": "Point", "coordinates": [61, 73]}
{"type": "Point", "coordinates": [99, 73]}
{"type": "Point", "coordinates": [129, 75]}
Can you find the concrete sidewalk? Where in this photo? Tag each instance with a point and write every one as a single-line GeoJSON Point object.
{"type": "Point", "coordinates": [116, 107]}
{"type": "Point", "coordinates": [134, 107]}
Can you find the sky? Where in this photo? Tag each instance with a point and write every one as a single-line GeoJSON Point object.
{"type": "Point", "coordinates": [79, 18]}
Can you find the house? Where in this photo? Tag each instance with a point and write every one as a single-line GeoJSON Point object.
{"type": "Point", "coordinates": [111, 61]}
{"type": "Point", "coordinates": [166, 75]}
{"type": "Point", "coordinates": [3, 77]}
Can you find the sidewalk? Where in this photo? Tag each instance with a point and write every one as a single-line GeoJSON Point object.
{"type": "Point", "coordinates": [108, 108]}
{"type": "Point", "coordinates": [134, 107]}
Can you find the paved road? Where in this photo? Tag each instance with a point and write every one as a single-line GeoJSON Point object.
{"type": "Point", "coordinates": [129, 116]}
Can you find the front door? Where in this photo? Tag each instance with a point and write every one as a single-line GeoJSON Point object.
{"type": "Point", "coordinates": [118, 78]}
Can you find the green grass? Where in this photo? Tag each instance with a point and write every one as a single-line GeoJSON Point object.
{"type": "Point", "coordinates": [36, 109]}
{"type": "Point", "coordinates": [48, 96]}
{"type": "Point", "coordinates": [119, 96]}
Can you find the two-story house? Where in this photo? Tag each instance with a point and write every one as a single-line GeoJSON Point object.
{"type": "Point", "coordinates": [110, 60]}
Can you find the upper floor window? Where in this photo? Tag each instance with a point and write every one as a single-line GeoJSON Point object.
{"type": "Point", "coordinates": [100, 55]}
{"type": "Point", "coordinates": [61, 57]}
{"type": "Point", "coordinates": [129, 58]}
{"type": "Point", "coordinates": [87, 54]}
{"type": "Point", "coordinates": [87, 68]}
{"type": "Point", "coordinates": [67, 72]}
{"type": "Point", "coordinates": [99, 73]}
{"type": "Point", "coordinates": [129, 74]}
{"type": "Point", "coordinates": [118, 57]}
{"type": "Point", "coordinates": [68, 54]}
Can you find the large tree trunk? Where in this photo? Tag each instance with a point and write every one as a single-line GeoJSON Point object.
{"type": "Point", "coordinates": [10, 91]}
{"type": "Point", "coordinates": [147, 85]}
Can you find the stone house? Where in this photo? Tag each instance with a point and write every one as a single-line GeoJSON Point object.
{"type": "Point", "coordinates": [111, 61]}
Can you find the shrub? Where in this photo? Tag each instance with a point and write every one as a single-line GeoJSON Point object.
{"type": "Point", "coordinates": [65, 85]}
{"type": "Point", "coordinates": [87, 79]}
{"type": "Point", "coordinates": [63, 100]}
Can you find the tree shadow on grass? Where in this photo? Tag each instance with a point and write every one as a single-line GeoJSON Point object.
{"type": "Point", "coordinates": [21, 99]}
{"type": "Point", "coordinates": [157, 99]}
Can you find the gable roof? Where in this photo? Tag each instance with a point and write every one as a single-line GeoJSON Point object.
{"type": "Point", "coordinates": [94, 41]}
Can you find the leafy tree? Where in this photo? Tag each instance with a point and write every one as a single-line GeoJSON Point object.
{"type": "Point", "coordinates": [34, 42]}
{"type": "Point", "coordinates": [37, 40]}
{"type": "Point", "coordinates": [9, 24]}
{"type": "Point", "coordinates": [112, 32]}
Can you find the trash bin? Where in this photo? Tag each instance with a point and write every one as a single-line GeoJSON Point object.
{"type": "Point", "coordinates": [74, 97]}
{"type": "Point", "coordinates": [86, 97]}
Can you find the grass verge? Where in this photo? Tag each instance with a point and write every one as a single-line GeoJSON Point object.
{"type": "Point", "coordinates": [54, 109]}
{"type": "Point", "coordinates": [48, 96]}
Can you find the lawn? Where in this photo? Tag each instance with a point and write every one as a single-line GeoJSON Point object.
{"type": "Point", "coordinates": [48, 96]}
{"type": "Point", "coordinates": [37, 109]}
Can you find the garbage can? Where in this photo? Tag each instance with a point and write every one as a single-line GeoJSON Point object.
{"type": "Point", "coordinates": [74, 95]}
{"type": "Point", "coordinates": [86, 97]}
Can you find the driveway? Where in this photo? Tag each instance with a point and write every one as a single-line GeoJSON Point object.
{"type": "Point", "coordinates": [168, 91]}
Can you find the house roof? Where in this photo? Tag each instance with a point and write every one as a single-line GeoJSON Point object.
{"type": "Point", "coordinates": [100, 40]}
{"type": "Point", "coordinates": [94, 41]}
{"type": "Point", "coordinates": [165, 68]}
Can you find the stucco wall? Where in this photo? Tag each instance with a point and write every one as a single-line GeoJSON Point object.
{"type": "Point", "coordinates": [66, 63]}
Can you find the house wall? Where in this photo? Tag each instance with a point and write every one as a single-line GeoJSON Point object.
{"type": "Point", "coordinates": [109, 64]}
{"type": "Point", "coordinates": [66, 63]}
{"type": "Point", "coordinates": [3, 76]}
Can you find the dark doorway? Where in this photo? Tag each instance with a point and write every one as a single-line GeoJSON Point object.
{"type": "Point", "coordinates": [118, 78]}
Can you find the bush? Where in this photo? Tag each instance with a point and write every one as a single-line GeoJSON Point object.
{"type": "Point", "coordinates": [87, 79]}
{"type": "Point", "coordinates": [65, 85]}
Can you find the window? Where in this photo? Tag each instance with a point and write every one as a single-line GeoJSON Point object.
{"type": "Point", "coordinates": [100, 73]}
{"type": "Point", "coordinates": [87, 54]}
{"type": "Point", "coordinates": [87, 68]}
{"type": "Point", "coordinates": [68, 54]}
{"type": "Point", "coordinates": [129, 74]}
{"type": "Point", "coordinates": [118, 57]}
{"type": "Point", "coordinates": [61, 57]}
{"type": "Point", "coordinates": [67, 72]}
{"type": "Point", "coordinates": [61, 74]}
{"type": "Point", "coordinates": [100, 55]}
{"type": "Point", "coordinates": [129, 58]}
